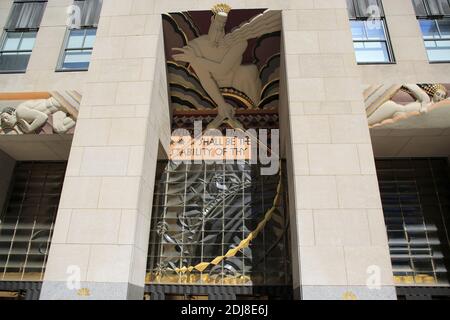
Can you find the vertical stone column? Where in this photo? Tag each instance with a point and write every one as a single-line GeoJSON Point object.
{"type": "Point", "coordinates": [5, 7]}
{"type": "Point", "coordinates": [341, 234]}
{"type": "Point", "coordinates": [404, 31]}
{"type": "Point", "coordinates": [103, 223]}
{"type": "Point", "coordinates": [7, 168]}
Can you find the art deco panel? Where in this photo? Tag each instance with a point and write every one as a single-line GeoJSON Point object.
{"type": "Point", "coordinates": [39, 112]}
{"type": "Point", "coordinates": [216, 223]}
{"type": "Point", "coordinates": [28, 218]}
{"type": "Point", "coordinates": [408, 106]}
{"type": "Point", "coordinates": [219, 225]}
{"type": "Point", "coordinates": [244, 65]}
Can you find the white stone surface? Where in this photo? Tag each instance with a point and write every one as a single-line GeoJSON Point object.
{"type": "Point", "coordinates": [323, 266]}
{"type": "Point", "coordinates": [106, 200]}
{"type": "Point", "coordinates": [316, 192]}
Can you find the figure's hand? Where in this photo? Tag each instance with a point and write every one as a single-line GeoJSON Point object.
{"type": "Point", "coordinates": [24, 126]}
{"type": "Point", "coordinates": [226, 111]}
{"type": "Point", "coordinates": [187, 55]}
{"type": "Point", "coordinates": [59, 128]}
{"type": "Point", "coordinates": [424, 108]}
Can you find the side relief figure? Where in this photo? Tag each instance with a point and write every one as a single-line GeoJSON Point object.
{"type": "Point", "coordinates": [217, 59]}
{"type": "Point", "coordinates": [382, 107]}
{"type": "Point", "coordinates": [31, 115]}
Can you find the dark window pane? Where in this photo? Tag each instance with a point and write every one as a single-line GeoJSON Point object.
{"type": "Point", "coordinates": [351, 9]}
{"type": "Point", "coordinates": [438, 7]}
{"type": "Point", "coordinates": [444, 27]}
{"type": "Point", "coordinates": [416, 221]}
{"type": "Point", "coordinates": [90, 11]}
{"type": "Point", "coordinates": [27, 15]}
{"type": "Point", "coordinates": [419, 7]}
{"type": "Point", "coordinates": [14, 61]}
{"type": "Point", "coordinates": [364, 9]}
{"type": "Point", "coordinates": [26, 228]}
{"type": "Point", "coordinates": [16, 51]}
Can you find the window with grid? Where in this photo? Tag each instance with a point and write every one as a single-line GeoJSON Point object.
{"type": "Point", "coordinates": [416, 202]}
{"type": "Point", "coordinates": [201, 215]}
{"type": "Point", "coordinates": [434, 20]}
{"type": "Point", "coordinates": [369, 31]}
{"type": "Point", "coordinates": [19, 35]}
{"type": "Point", "coordinates": [28, 218]}
{"type": "Point", "coordinates": [80, 38]}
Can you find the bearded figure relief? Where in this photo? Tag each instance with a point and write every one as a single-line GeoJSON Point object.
{"type": "Point", "coordinates": [408, 106]}
{"type": "Point", "coordinates": [59, 112]}
{"type": "Point", "coordinates": [217, 61]}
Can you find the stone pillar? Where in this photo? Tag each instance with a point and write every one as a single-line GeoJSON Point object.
{"type": "Point", "coordinates": [5, 7]}
{"type": "Point", "coordinates": [7, 168]}
{"type": "Point", "coordinates": [341, 235]}
{"type": "Point", "coordinates": [103, 223]}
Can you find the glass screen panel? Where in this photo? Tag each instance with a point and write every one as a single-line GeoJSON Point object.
{"type": "Point", "coordinates": [200, 223]}
{"type": "Point", "coordinates": [27, 221]}
{"type": "Point", "coordinates": [417, 219]}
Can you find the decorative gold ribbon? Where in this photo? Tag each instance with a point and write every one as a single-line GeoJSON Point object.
{"type": "Point", "coordinates": [244, 243]}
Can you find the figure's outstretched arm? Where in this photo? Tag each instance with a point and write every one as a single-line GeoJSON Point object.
{"type": "Point", "coordinates": [418, 93]}
{"type": "Point", "coordinates": [421, 96]}
{"type": "Point", "coordinates": [205, 69]}
{"type": "Point", "coordinates": [62, 123]}
{"type": "Point", "coordinates": [233, 56]}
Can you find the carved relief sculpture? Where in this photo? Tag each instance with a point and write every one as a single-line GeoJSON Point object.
{"type": "Point", "coordinates": [216, 59]}
{"type": "Point", "coordinates": [58, 110]}
{"type": "Point", "coordinates": [222, 224]}
{"type": "Point", "coordinates": [389, 105]}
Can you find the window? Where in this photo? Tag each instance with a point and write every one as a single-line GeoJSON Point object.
{"type": "Point", "coordinates": [203, 212]}
{"type": "Point", "coordinates": [19, 35]}
{"type": "Point", "coordinates": [431, 8]}
{"type": "Point", "coordinates": [80, 39]}
{"type": "Point", "coordinates": [416, 202]}
{"type": "Point", "coordinates": [434, 20]}
{"type": "Point", "coordinates": [371, 44]}
{"type": "Point", "coordinates": [28, 219]}
{"type": "Point", "coordinates": [436, 34]}
{"type": "Point", "coordinates": [16, 50]}
{"type": "Point", "coordinates": [77, 54]}
{"type": "Point", "coordinates": [369, 31]}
